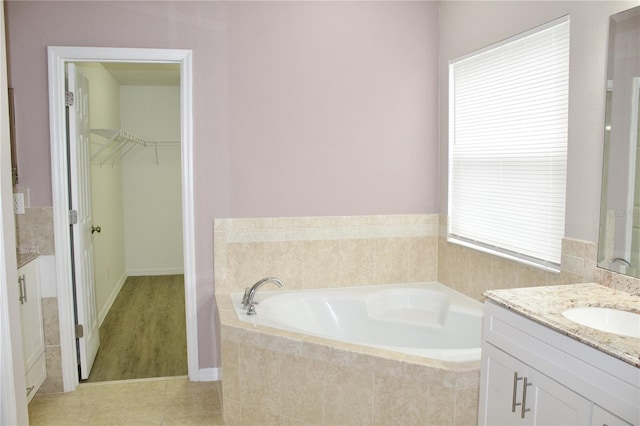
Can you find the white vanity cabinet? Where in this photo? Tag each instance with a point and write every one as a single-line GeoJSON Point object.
{"type": "Point", "coordinates": [522, 395]}
{"type": "Point", "coordinates": [32, 326]}
{"type": "Point", "coordinates": [533, 375]}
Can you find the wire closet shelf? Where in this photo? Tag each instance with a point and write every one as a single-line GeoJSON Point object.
{"type": "Point", "coordinates": [117, 143]}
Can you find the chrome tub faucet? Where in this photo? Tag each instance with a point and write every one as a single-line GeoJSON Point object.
{"type": "Point", "coordinates": [250, 292]}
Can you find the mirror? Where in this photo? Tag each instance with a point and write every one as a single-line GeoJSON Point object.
{"type": "Point", "coordinates": [619, 239]}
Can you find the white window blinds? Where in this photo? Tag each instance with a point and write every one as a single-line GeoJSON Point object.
{"type": "Point", "coordinates": [508, 108]}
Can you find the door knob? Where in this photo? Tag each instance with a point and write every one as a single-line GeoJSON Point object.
{"type": "Point", "coordinates": [95, 229]}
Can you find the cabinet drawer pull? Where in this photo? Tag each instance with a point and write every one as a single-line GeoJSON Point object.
{"type": "Point", "coordinates": [30, 389]}
{"type": "Point", "coordinates": [20, 289]}
{"type": "Point", "coordinates": [514, 404]}
{"type": "Point", "coordinates": [524, 397]}
{"type": "Point", "coordinates": [24, 285]}
{"type": "Point", "coordinates": [23, 290]}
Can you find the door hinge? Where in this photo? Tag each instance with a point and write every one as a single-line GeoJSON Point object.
{"type": "Point", "coordinates": [79, 331]}
{"type": "Point", "coordinates": [68, 99]}
{"type": "Point", "coordinates": [73, 217]}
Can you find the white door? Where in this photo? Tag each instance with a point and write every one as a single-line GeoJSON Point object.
{"type": "Point", "coordinates": [80, 199]}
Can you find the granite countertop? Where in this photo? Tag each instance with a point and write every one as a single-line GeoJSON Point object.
{"type": "Point", "coordinates": [24, 258]}
{"type": "Point", "coordinates": [545, 305]}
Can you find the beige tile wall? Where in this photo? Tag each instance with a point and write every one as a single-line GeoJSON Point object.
{"type": "Point", "coordinates": [317, 252]}
{"type": "Point", "coordinates": [472, 272]}
{"type": "Point", "coordinates": [53, 382]}
{"type": "Point", "coordinates": [34, 231]}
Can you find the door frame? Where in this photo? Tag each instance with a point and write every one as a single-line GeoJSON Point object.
{"type": "Point", "coordinates": [13, 398]}
{"type": "Point", "coordinates": [58, 56]}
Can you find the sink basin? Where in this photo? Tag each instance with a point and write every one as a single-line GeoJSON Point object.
{"type": "Point", "coordinates": [606, 319]}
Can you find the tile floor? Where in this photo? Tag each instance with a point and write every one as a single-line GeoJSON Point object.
{"type": "Point", "coordinates": [163, 401]}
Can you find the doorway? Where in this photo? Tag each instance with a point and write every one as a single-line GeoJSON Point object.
{"type": "Point", "coordinates": [58, 58]}
{"type": "Point", "coordinates": [136, 219]}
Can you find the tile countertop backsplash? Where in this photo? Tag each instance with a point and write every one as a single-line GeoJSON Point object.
{"type": "Point", "coordinates": [546, 304]}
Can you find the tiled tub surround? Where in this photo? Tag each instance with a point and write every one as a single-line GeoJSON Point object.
{"type": "Point", "coordinates": [546, 304]}
{"type": "Point", "coordinates": [473, 272]}
{"type": "Point", "coordinates": [319, 252]}
{"type": "Point", "coordinates": [272, 376]}
{"type": "Point", "coordinates": [284, 376]}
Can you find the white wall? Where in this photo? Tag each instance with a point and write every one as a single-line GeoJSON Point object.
{"type": "Point", "coordinates": [152, 185]}
{"type": "Point", "coordinates": [106, 191]}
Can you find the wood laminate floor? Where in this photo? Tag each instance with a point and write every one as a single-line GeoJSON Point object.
{"type": "Point", "coordinates": [144, 333]}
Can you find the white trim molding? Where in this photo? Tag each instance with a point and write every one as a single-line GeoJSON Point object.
{"type": "Point", "coordinates": [58, 56]}
{"type": "Point", "coordinates": [210, 374]}
{"type": "Point", "coordinates": [112, 298]}
{"type": "Point", "coordinates": [13, 398]}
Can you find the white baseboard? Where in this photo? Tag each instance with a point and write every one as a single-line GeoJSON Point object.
{"type": "Point", "coordinates": [209, 374]}
{"type": "Point", "coordinates": [150, 272]}
{"type": "Point", "coordinates": [112, 298]}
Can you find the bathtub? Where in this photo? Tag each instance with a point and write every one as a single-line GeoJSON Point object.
{"type": "Point", "coordinates": [385, 354]}
{"type": "Point", "coordinates": [425, 319]}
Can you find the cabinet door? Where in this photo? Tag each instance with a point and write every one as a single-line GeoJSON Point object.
{"type": "Point", "coordinates": [504, 400]}
{"type": "Point", "coordinates": [602, 417]}
{"type": "Point", "coordinates": [501, 382]}
{"type": "Point", "coordinates": [555, 404]}
{"type": "Point", "coordinates": [31, 313]}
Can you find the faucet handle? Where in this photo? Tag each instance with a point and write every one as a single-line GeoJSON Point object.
{"type": "Point", "coordinates": [251, 310]}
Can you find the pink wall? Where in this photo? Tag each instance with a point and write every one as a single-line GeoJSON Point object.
{"type": "Point", "coordinates": [300, 108]}
{"type": "Point", "coordinates": [333, 108]}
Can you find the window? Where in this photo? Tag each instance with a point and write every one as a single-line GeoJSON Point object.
{"type": "Point", "coordinates": [508, 121]}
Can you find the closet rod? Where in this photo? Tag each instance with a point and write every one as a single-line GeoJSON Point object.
{"type": "Point", "coordinates": [124, 141]}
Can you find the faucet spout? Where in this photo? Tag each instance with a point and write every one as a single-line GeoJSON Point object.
{"type": "Point", "coordinates": [621, 260]}
{"type": "Point", "coordinates": [247, 300]}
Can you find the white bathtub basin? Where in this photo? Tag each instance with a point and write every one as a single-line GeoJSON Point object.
{"type": "Point", "coordinates": [426, 319]}
{"type": "Point", "coordinates": [606, 319]}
